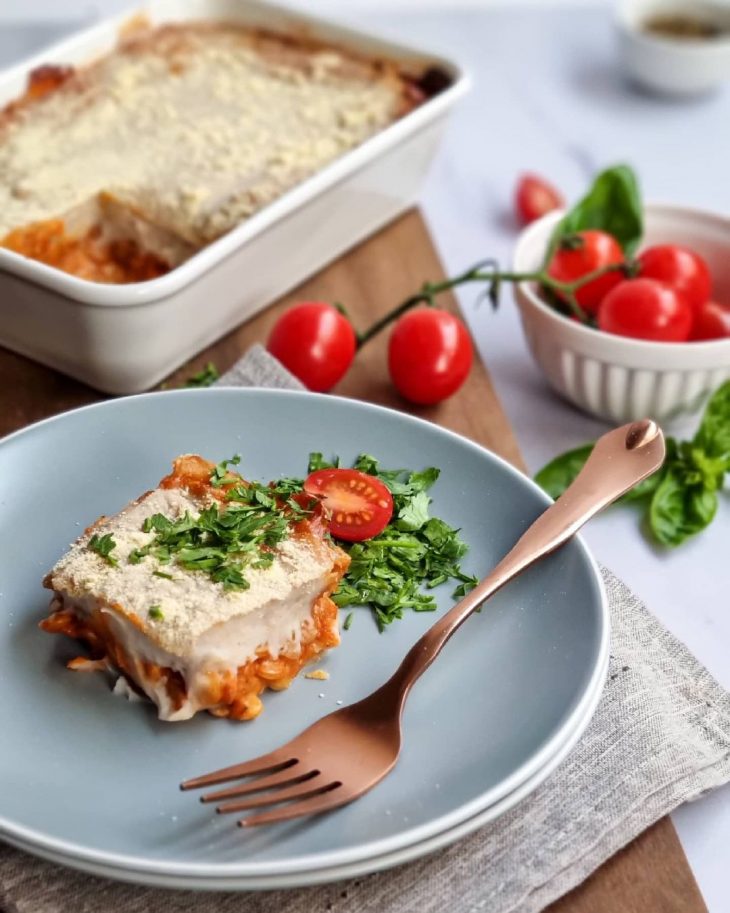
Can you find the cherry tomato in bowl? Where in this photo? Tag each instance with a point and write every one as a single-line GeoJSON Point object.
{"type": "Point", "coordinates": [535, 197]}
{"type": "Point", "coordinates": [581, 254]}
{"type": "Point", "coordinates": [684, 269]}
{"type": "Point", "coordinates": [359, 505]}
{"type": "Point", "coordinates": [429, 355]}
{"type": "Point", "coordinates": [711, 321]}
{"type": "Point", "coordinates": [646, 309]}
{"type": "Point", "coordinates": [315, 342]}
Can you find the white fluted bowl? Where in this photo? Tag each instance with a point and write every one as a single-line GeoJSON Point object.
{"type": "Point", "coordinates": [618, 378]}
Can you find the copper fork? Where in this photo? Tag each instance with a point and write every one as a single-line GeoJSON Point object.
{"type": "Point", "coordinates": [346, 753]}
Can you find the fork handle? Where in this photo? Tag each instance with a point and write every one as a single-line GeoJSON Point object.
{"type": "Point", "coordinates": [620, 459]}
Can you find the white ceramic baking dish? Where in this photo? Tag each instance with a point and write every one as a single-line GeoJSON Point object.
{"type": "Point", "coordinates": [125, 338]}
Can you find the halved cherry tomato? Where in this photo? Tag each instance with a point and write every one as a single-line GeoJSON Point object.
{"type": "Point", "coordinates": [679, 267]}
{"type": "Point", "coordinates": [581, 254]}
{"type": "Point", "coordinates": [711, 321]}
{"type": "Point", "coordinates": [646, 309]}
{"type": "Point", "coordinates": [429, 355]}
{"type": "Point", "coordinates": [315, 342]}
{"type": "Point", "coordinates": [360, 506]}
{"type": "Point", "coordinates": [535, 197]}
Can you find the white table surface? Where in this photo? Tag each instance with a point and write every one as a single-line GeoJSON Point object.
{"type": "Point", "coordinates": [548, 96]}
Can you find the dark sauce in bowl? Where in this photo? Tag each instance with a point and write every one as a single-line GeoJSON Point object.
{"type": "Point", "coordinates": [683, 27]}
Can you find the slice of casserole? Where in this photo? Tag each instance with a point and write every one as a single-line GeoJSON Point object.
{"type": "Point", "coordinates": [203, 592]}
{"type": "Point", "coordinates": [119, 170]}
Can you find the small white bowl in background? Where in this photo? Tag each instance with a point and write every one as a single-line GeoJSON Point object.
{"type": "Point", "coordinates": [674, 66]}
{"type": "Point", "coordinates": [615, 377]}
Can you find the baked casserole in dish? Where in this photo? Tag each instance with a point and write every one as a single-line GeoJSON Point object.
{"type": "Point", "coordinates": [168, 175]}
{"type": "Point", "coordinates": [120, 170]}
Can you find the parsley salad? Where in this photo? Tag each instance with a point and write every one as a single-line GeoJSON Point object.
{"type": "Point", "coordinates": [415, 552]}
{"type": "Point", "coordinates": [406, 551]}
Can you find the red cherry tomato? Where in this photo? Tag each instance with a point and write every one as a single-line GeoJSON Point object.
{"type": "Point", "coordinates": [646, 309]}
{"type": "Point", "coordinates": [315, 342]}
{"type": "Point", "coordinates": [585, 252]}
{"type": "Point", "coordinates": [535, 197]}
{"type": "Point", "coordinates": [711, 321]}
{"type": "Point", "coordinates": [429, 355]}
{"type": "Point", "coordinates": [679, 267]}
{"type": "Point", "coordinates": [359, 506]}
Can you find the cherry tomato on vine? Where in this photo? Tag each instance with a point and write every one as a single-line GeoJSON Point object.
{"type": "Point", "coordinates": [679, 267]}
{"type": "Point", "coordinates": [429, 355]}
{"type": "Point", "coordinates": [359, 505]}
{"type": "Point", "coordinates": [646, 309]}
{"type": "Point", "coordinates": [315, 342]}
{"type": "Point", "coordinates": [535, 197]}
{"type": "Point", "coordinates": [581, 254]}
{"type": "Point", "coordinates": [711, 321]}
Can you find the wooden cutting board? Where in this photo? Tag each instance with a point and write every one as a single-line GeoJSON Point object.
{"type": "Point", "coordinates": [649, 876]}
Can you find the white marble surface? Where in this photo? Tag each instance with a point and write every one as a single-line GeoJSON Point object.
{"type": "Point", "coordinates": [548, 96]}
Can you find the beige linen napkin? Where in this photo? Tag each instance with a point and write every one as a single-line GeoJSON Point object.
{"type": "Point", "coordinates": [660, 737]}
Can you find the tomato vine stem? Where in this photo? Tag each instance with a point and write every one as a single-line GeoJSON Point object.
{"type": "Point", "coordinates": [487, 271]}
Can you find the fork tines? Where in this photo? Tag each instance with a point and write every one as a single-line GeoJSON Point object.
{"type": "Point", "coordinates": [282, 780]}
{"type": "Point", "coordinates": [260, 765]}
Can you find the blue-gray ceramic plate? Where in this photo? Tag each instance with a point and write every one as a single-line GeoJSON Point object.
{"type": "Point", "coordinates": [90, 780]}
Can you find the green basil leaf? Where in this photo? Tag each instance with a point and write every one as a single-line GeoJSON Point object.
{"type": "Point", "coordinates": [613, 205]}
{"type": "Point", "coordinates": [555, 477]}
{"type": "Point", "coordinates": [702, 505]}
{"type": "Point", "coordinates": [713, 435]}
{"type": "Point", "coordinates": [678, 511]}
{"type": "Point", "coordinates": [709, 470]}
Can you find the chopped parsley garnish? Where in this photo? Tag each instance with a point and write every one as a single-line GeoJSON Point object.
{"type": "Point", "coordinates": [103, 546]}
{"type": "Point", "coordinates": [286, 487]}
{"type": "Point", "coordinates": [317, 461]}
{"type": "Point", "coordinates": [221, 540]}
{"type": "Point", "coordinates": [220, 475]}
{"type": "Point", "coordinates": [204, 378]}
{"type": "Point", "coordinates": [348, 621]}
{"type": "Point", "coordinates": [162, 574]}
{"type": "Point", "coordinates": [276, 496]}
{"type": "Point", "coordinates": [155, 612]}
{"type": "Point", "coordinates": [225, 539]}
